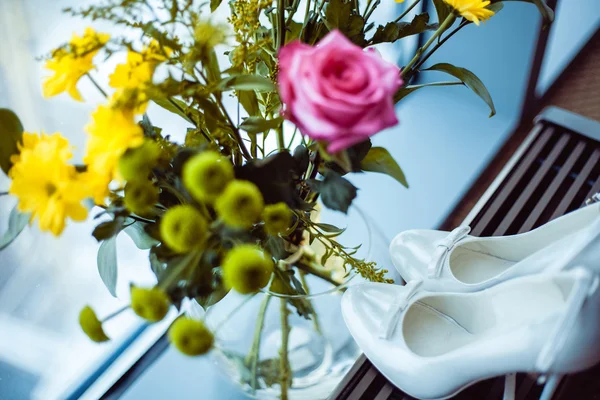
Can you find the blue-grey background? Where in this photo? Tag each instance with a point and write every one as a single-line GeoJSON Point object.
{"type": "Point", "coordinates": [443, 140]}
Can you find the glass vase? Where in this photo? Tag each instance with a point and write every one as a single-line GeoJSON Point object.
{"type": "Point", "coordinates": [272, 352]}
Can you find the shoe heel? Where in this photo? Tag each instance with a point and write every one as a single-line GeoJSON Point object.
{"type": "Point", "coordinates": [551, 383]}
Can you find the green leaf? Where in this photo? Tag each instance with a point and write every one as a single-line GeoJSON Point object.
{"type": "Point", "coordinates": [108, 229]}
{"type": "Point", "coordinates": [469, 79]}
{"type": "Point", "coordinates": [405, 91]}
{"type": "Point", "coordinates": [337, 14]}
{"type": "Point", "coordinates": [247, 82]}
{"type": "Point", "coordinates": [545, 10]}
{"type": "Point", "coordinates": [393, 31]}
{"type": "Point", "coordinates": [496, 7]}
{"type": "Point", "coordinates": [213, 298]}
{"type": "Point", "coordinates": [293, 31]}
{"type": "Point", "coordinates": [174, 105]}
{"type": "Point", "coordinates": [138, 234]}
{"type": "Point", "coordinates": [330, 228]}
{"type": "Point", "coordinates": [214, 4]}
{"type": "Point", "coordinates": [442, 9]}
{"type": "Point", "coordinates": [16, 223]}
{"type": "Point", "coordinates": [11, 132]}
{"type": "Point", "coordinates": [107, 264]}
{"type": "Point", "coordinates": [259, 125]}
{"type": "Point", "coordinates": [380, 160]}
{"type": "Point", "coordinates": [249, 101]}
{"type": "Point", "coordinates": [337, 193]}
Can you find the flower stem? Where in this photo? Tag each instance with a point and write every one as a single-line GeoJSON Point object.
{"type": "Point", "coordinates": [114, 314]}
{"type": "Point", "coordinates": [302, 275]}
{"type": "Point", "coordinates": [405, 13]}
{"type": "Point", "coordinates": [284, 364]}
{"type": "Point", "coordinates": [96, 84]}
{"type": "Point", "coordinates": [280, 24]}
{"type": "Point", "coordinates": [280, 138]}
{"type": "Point", "coordinates": [447, 23]}
{"type": "Point", "coordinates": [252, 357]}
{"type": "Point", "coordinates": [439, 44]}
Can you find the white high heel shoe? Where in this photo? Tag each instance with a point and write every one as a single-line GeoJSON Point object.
{"type": "Point", "coordinates": [432, 345]}
{"type": "Point", "coordinates": [455, 261]}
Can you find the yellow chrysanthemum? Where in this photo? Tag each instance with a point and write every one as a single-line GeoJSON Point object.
{"type": "Point", "coordinates": [183, 228]}
{"type": "Point", "coordinates": [206, 175]}
{"type": "Point", "coordinates": [70, 63]}
{"type": "Point", "coordinates": [240, 205]}
{"type": "Point", "coordinates": [133, 76]}
{"type": "Point", "coordinates": [150, 304]}
{"type": "Point", "coordinates": [472, 10]}
{"type": "Point", "coordinates": [277, 217]}
{"type": "Point", "coordinates": [191, 336]}
{"type": "Point", "coordinates": [247, 269]}
{"type": "Point", "coordinates": [111, 133]}
{"type": "Point", "coordinates": [91, 325]}
{"type": "Point", "coordinates": [46, 185]}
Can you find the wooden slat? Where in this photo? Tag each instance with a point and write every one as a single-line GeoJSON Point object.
{"type": "Point", "coordinates": [364, 384]}
{"type": "Point", "coordinates": [527, 193]}
{"type": "Point", "coordinates": [385, 392]}
{"type": "Point", "coordinates": [552, 189]}
{"type": "Point", "coordinates": [354, 376]}
{"type": "Point", "coordinates": [583, 176]}
{"type": "Point", "coordinates": [512, 182]}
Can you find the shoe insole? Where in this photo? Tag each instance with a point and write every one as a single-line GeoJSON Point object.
{"type": "Point", "coordinates": [438, 324]}
{"type": "Point", "coordinates": [469, 266]}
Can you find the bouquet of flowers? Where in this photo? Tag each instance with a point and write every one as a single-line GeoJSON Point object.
{"type": "Point", "coordinates": [280, 102]}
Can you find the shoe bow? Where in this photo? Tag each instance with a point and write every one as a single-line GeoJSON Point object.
{"type": "Point", "coordinates": [443, 249]}
{"type": "Point", "coordinates": [390, 320]}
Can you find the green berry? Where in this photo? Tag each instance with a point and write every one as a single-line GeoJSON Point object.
{"type": "Point", "coordinates": [206, 175]}
{"type": "Point", "coordinates": [183, 228]}
{"type": "Point", "coordinates": [240, 205]}
{"type": "Point", "coordinates": [137, 163]}
{"type": "Point", "coordinates": [91, 325]}
{"type": "Point", "coordinates": [140, 197]}
{"type": "Point", "coordinates": [247, 269]}
{"type": "Point", "coordinates": [191, 336]}
{"type": "Point", "coordinates": [150, 304]}
{"type": "Point", "coordinates": [277, 217]}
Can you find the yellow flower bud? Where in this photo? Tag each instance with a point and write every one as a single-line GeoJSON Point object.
{"type": "Point", "coordinates": [91, 325]}
{"type": "Point", "coordinates": [206, 175]}
{"type": "Point", "coordinates": [191, 336]}
{"type": "Point", "coordinates": [137, 163]}
{"type": "Point", "coordinates": [140, 197]}
{"type": "Point", "coordinates": [277, 217]}
{"type": "Point", "coordinates": [183, 228]}
{"type": "Point", "coordinates": [150, 304]}
{"type": "Point", "coordinates": [247, 269]}
{"type": "Point", "coordinates": [240, 205]}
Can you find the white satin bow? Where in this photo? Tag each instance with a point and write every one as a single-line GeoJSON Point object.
{"type": "Point", "coordinates": [443, 248]}
{"type": "Point", "coordinates": [390, 320]}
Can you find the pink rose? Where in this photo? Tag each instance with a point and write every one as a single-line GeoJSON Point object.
{"type": "Point", "coordinates": [337, 92]}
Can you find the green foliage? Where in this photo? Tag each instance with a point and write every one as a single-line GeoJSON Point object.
{"type": "Point", "coordinates": [11, 132]}
{"type": "Point", "coordinates": [380, 160]}
{"type": "Point", "coordinates": [260, 125]}
{"type": "Point", "coordinates": [137, 232]}
{"type": "Point", "coordinates": [340, 14]}
{"type": "Point", "coordinates": [247, 82]}
{"type": "Point", "coordinates": [16, 223]}
{"type": "Point", "coordinates": [469, 79]}
{"type": "Point", "coordinates": [107, 264]}
{"type": "Point", "coordinates": [545, 10]}
{"type": "Point", "coordinates": [108, 229]}
{"type": "Point", "coordinates": [393, 31]}
{"type": "Point", "coordinates": [336, 192]}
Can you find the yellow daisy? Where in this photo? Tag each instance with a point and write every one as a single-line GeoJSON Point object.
{"type": "Point", "coordinates": [45, 184]}
{"type": "Point", "coordinates": [472, 10]}
{"type": "Point", "coordinates": [111, 132]}
{"type": "Point", "coordinates": [72, 62]}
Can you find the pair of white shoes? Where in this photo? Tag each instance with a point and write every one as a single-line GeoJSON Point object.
{"type": "Point", "coordinates": [476, 308]}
